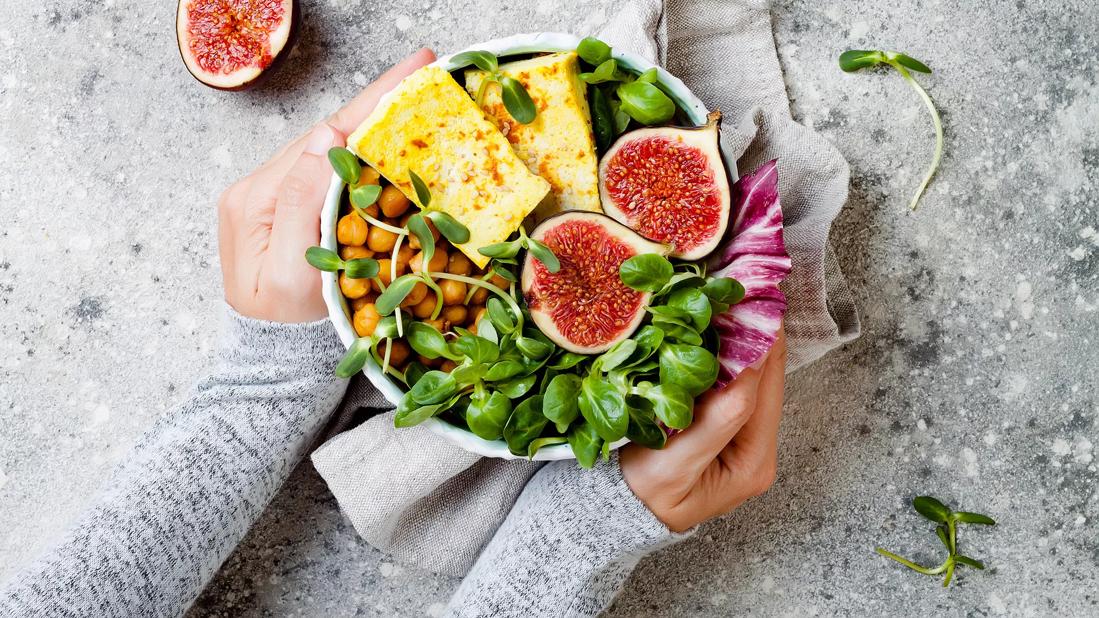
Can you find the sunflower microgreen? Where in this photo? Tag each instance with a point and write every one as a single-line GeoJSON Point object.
{"type": "Point", "coordinates": [855, 59]}
{"type": "Point", "coordinates": [946, 529]}
{"type": "Point", "coordinates": [515, 96]}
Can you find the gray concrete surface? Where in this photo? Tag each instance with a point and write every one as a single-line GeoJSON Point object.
{"type": "Point", "coordinates": [975, 379]}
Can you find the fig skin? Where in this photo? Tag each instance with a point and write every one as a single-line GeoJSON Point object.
{"type": "Point", "coordinates": [704, 138]}
{"type": "Point", "coordinates": [544, 320]}
{"type": "Point", "coordinates": [276, 61]}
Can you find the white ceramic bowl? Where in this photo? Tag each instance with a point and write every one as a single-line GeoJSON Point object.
{"type": "Point", "coordinates": [337, 306]}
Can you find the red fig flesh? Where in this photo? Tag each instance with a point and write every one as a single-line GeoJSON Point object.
{"type": "Point", "coordinates": [669, 185]}
{"type": "Point", "coordinates": [229, 44]}
{"type": "Point", "coordinates": [584, 307]}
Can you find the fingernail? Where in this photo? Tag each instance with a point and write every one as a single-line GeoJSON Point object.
{"type": "Point", "coordinates": [320, 139]}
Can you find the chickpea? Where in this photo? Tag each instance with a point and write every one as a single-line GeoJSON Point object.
{"type": "Point", "coordinates": [448, 366]}
{"type": "Point", "coordinates": [428, 362]}
{"type": "Point", "coordinates": [425, 307]}
{"type": "Point", "coordinates": [355, 253]}
{"type": "Point", "coordinates": [404, 256]}
{"type": "Point", "coordinates": [366, 320]}
{"type": "Point", "coordinates": [480, 295]}
{"type": "Point", "coordinates": [385, 268]}
{"type": "Point", "coordinates": [438, 324]}
{"type": "Point", "coordinates": [459, 264]}
{"type": "Point", "coordinates": [351, 230]}
{"type": "Point", "coordinates": [478, 314]}
{"type": "Point", "coordinates": [369, 176]}
{"type": "Point", "coordinates": [415, 242]}
{"type": "Point", "coordinates": [371, 210]}
{"type": "Point", "coordinates": [392, 201]}
{"type": "Point", "coordinates": [455, 314]}
{"type": "Point", "coordinates": [400, 352]}
{"type": "Point", "coordinates": [454, 292]}
{"type": "Point", "coordinates": [357, 303]}
{"type": "Point", "coordinates": [436, 265]}
{"type": "Point", "coordinates": [353, 288]}
{"type": "Point", "coordinates": [498, 281]}
{"type": "Point", "coordinates": [418, 293]}
{"type": "Point", "coordinates": [380, 240]}
{"type": "Point", "coordinates": [473, 313]}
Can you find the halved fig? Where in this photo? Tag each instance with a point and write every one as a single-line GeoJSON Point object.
{"type": "Point", "coordinates": [584, 307]}
{"type": "Point", "coordinates": [669, 185]}
{"type": "Point", "coordinates": [230, 44]}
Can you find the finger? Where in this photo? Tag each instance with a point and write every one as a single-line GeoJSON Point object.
{"type": "Point", "coordinates": [749, 463]}
{"type": "Point", "coordinates": [230, 204]}
{"type": "Point", "coordinates": [351, 116]}
{"type": "Point", "coordinates": [719, 415]}
{"type": "Point", "coordinates": [758, 438]}
{"type": "Point", "coordinates": [298, 202]}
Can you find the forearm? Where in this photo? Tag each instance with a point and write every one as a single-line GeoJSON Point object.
{"type": "Point", "coordinates": [566, 549]}
{"type": "Point", "coordinates": [183, 499]}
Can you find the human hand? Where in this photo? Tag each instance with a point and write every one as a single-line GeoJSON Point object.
{"type": "Point", "coordinates": [269, 218]}
{"type": "Point", "coordinates": [728, 455]}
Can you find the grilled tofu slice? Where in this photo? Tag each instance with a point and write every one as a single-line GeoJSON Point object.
{"type": "Point", "coordinates": [559, 145]}
{"type": "Point", "coordinates": [429, 125]}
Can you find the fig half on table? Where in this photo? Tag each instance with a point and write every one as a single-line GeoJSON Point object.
{"type": "Point", "coordinates": [232, 44]}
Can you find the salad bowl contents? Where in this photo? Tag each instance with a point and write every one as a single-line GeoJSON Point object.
{"type": "Point", "coordinates": [534, 249]}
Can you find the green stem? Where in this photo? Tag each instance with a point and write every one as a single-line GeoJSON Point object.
{"type": "Point", "coordinates": [384, 362]}
{"type": "Point", "coordinates": [938, 131]}
{"type": "Point", "coordinates": [381, 224]}
{"type": "Point", "coordinates": [480, 98]}
{"type": "Point", "coordinates": [473, 288]}
{"type": "Point", "coordinates": [491, 288]}
{"type": "Point", "coordinates": [949, 573]}
{"type": "Point", "coordinates": [393, 277]}
{"type": "Point", "coordinates": [952, 534]}
{"type": "Point", "coordinates": [438, 296]}
{"type": "Point", "coordinates": [388, 352]}
{"type": "Point", "coordinates": [912, 565]}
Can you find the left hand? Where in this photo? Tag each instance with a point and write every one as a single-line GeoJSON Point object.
{"type": "Point", "coordinates": [268, 219]}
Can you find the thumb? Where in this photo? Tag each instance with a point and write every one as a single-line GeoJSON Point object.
{"type": "Point", "coordinates": [299, 199]}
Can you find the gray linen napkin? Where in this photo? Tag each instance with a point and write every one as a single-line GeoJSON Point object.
{"type": "Point", "coordinates": [433, 505]}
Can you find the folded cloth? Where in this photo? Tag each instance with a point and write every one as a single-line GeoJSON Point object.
{"type": "Point", "coordinates": [434, 505]}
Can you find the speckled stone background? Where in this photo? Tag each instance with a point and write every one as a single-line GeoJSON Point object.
{"type": "Point", "coordinates": [975, 379]}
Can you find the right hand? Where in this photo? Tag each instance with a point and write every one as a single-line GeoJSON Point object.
{"type": "Point", "coordinates": [728, 455]}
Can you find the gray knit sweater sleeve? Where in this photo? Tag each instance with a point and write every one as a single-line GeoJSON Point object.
{"type": "Point", "coordinates": [566, 548]}
{"type": "Point", "coordinates": [179, 504]}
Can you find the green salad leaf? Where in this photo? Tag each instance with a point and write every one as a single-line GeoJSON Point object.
{"type": "Point", "coordinates": [593, 51]}
{"type": "Point", "coordinates": [646, 103]}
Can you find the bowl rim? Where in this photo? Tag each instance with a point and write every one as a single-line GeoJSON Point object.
{"type": "Point", "coordinates": [338, 310]}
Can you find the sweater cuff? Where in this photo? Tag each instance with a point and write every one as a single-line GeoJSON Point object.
{"type": "Point", "coordinates": [251, 338]}
{"type": "Point", "coordinates": [613, 503]}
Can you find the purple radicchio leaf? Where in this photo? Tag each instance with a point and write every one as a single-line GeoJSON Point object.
{"type": "Point", "coordinates": [755, 255]}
